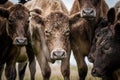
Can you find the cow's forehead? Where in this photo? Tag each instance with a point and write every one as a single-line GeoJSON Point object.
{"type": "Point", "coordinates": [57, 16]}
{"type": "Point", "coordinates": [19, 11]}
{"type": "Point", "coordinates": [57, 20]}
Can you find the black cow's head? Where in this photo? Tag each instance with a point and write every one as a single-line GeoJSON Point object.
{"type": "Point", "coordinates": [107, 45]}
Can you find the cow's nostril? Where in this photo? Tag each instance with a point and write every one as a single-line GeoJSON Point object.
{"type": "Point", "coordinates": [63, 54]}
{"type": "Point", "coordinates": [94, 71]}
{"type": "Point", "coordinates": [92, 11]}
{"type": "Point", "coordinates": [20, 40]}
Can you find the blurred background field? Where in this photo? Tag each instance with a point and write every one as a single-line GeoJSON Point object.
{"type": "Point", "coordinates": [56, 74]}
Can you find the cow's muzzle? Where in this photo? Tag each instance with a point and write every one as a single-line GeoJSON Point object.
{"type": "Point", "coordinates": [96, 72]}
{"type": "Point", "coordinates": [20, 41]}
{"type": "Point", "coordinates": [58, 54]}
{"type": "Point", "coordinates": [88, 13]}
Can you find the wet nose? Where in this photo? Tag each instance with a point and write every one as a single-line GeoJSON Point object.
{"type": "Point", "coordinates": [20, 41]}
{"type": "Point", "coordinates": [96, 72]}
{"type": "Point", "coordinates": [58, 54]}
{"type": "Point", "coordinates": [88, 12]}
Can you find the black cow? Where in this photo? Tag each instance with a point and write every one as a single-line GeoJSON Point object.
{"type": "Point", "coordinates": [106, 46]}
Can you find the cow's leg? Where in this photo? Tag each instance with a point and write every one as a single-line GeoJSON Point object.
{"type": "Point", "coordinates": [10, 71]}
{"type": "Point", "coordinates": [21, 70]}
{"type": "Point", "coordinates": [1, 71]}
{"type": "Point", "coordinates": [44, 65]}
{"type": "Point", "coordinates": [65, 68]}
{"type": "Point", "coordinates": [32, 62]}
{"type": "Point", "coordinates": [32, 67]}
{"type": "Point", "coordinates": [81, 64]}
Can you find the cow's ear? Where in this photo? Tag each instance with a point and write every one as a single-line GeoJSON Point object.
{"type": "Point", "coordinates": [74, 19]}
{"type": "Point", "coordinates": [111, 15]}
{"type": "Point", "coordinates": [4, 13]}
{"type": "Point", "coordinates": [117, 31]}
{"type": "Point", "coordinates": [118, 16]}
{"type": "Point", "coordinates": [38, 19]}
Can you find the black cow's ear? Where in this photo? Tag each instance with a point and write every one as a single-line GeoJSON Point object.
{"type": "Point", "coordinates": [3, 1]}
{"type": "Point", "coordinates": [118, 16]}
{"type": "Point", "coordinates": [111, 15]}
{"type": "Point", "coordinates": [117, 31]}
{"type": "Point", "coordinates": [73, 19]}
{"type": "Point", "coordinates": [4, 13]}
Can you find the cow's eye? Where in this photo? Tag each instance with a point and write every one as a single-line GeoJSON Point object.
{"type": "Point", "coordinates": [28, 21]}
{"type": "Point", "coordinates": [97, 35]}
{"type": "Point", "coordinates": [11, 21]}
{"type": "Point", "coordinates": [47, 33]}
{"type": "Point", "coordinates": [107, 46]}
{"type": "Point", "coordinates": [67, 33]}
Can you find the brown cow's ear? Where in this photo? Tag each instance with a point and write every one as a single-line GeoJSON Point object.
{"type": "Point", "coordinates": [73, 19]}
{"type": "Point", "coordinates": [111, 15]}
{"type": "Point", "coordinates": [4, 13]}
{"type": "Point", "coordinates": [37, 18]}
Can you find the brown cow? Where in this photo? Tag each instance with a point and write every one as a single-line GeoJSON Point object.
{"type": "Point", "coordinates": [54, 23]}
{"type": "Point", "coordinates": [17, 23]}
{"type": "Point", "coordinates": [23, 58]}
{"type": "Point", "coordinates": [91, 11]}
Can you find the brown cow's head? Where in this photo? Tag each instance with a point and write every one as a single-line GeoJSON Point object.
{"type": "Point", "coordinates": [57, 35]}
{"type": "Point", "coordinates": [55, 27]}
{"type": "Point", "coordinates": [107, 55]}
{"type": "Point", "coordinates": [90, 8]}
{"type": "Point", "coordinates": [17, 17]}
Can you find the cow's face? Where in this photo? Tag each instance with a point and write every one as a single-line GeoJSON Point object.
{"type": "Point", "coordinates": [57, 35]}
{"type": "Point", "coordinates": [102, 52]}
{"type": "Point", "coordinates": [90, 8]}
{"type": "Point", "coordinates": [18, 24]}
{"type": "Point", "coordinates": [107, 43]}
{"type": "Point", "coordinates": [97, 36]}
{"type": "Point", "coordinates": [52, 31]}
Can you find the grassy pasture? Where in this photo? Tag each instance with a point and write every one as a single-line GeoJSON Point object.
{"type": "Point", "coordinates": [56, 74]}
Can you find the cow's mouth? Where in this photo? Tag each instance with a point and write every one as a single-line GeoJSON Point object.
{"type": "Point", "coordinates": [89, 17]}
{"type": "Point", "coordinates": [98, 73]}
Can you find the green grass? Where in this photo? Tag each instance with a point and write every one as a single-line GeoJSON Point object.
{"type": "Point", "coordinates": [56, 74]}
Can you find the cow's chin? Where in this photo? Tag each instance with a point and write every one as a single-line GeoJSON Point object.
{"type": "Point", "coordinates": [19, 45]}
{"type": "Point", "coordinates": [89, 18]}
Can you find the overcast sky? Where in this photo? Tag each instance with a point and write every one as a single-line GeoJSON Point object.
{"type": "Point", "coordinates": [69, 3]}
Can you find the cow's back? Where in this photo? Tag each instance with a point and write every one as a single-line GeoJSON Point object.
{"type": "Point", "coordinates": [7, 4]}
{"type": "Point", "coordinates": [47, 6]}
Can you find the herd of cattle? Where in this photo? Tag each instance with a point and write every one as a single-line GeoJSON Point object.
{"type": "Point", "coordinates": [46, 30]}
